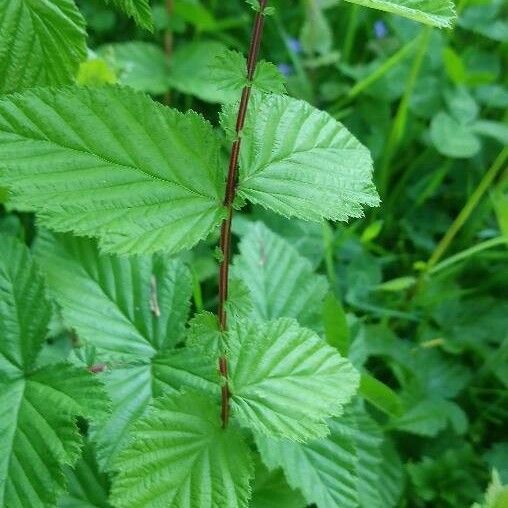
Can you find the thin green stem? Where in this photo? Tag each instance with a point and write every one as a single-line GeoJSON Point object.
{"type": "Point", "coordinates": [329, 250]}
{"type": "Point", "coordinates": [196, 291]}
{"type": "Point", "coordinates": [399, 124]}
{"type": "Point", "coordinates": [350, 33]}
{"type": "Point", "coordinates": [475, 249]}
{"type": "Point", "coordinates": [168, 44]}
{"type": "Point", "coordinates": [468, 209]}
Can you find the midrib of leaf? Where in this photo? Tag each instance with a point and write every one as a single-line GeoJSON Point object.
{"type": "Point", "coordinates": [168, 183]}
{"type": "Point", "coordinates": [128, 319]}
{"type": "Point", "coordinates": [287, 157]}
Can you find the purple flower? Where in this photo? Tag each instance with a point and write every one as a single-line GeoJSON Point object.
{"type": "Point", "coordinates": [380, 29]}
{"type": "Point", "coordinates": [294, 45]}
{"type": "Point", "coordinates": [285, 69]}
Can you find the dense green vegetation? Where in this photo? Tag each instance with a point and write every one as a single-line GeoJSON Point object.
{"type": "Point", "coordinates": [344, 345]}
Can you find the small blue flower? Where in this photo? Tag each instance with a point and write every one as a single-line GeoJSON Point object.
{"type": "Point", "coordinates": [380, 29]}
{"type": "Point", "coordinates": [294, 45]}
{"type": "Point", "coordinates": [285, 69]}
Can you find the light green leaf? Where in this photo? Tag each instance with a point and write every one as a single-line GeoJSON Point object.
{"type": "Point", "coordinates": [299, 161]}
{"type": "Point", "coordinates": [129, 308]}
{"type": "Point", "coordinates": [190, 72]}
{"type": "Point", "coordinates": [430, 416]}
{"type": "Point", "coordinates": [95, 72]}
{"type": "Point", "coordinates": [336, 325]}
{"type": "Point", "coordinates": [339, 470]}
{"type": "Point", "coordinates": [316, 34]}
{"type": "Point", "coordinates": [138, 10]}
{"type": "Point", "coordinates": [452, 138]}
{"type": "Point", "coordinates": [110, 162]}
{"type": "Point", "coordinates": [38, 406]}
{"type": "Point", "coordinates": [140, 65]}
{"type": "Point", "coordinates": [180, 456]}
{"type": "Point", "coordinates": [496, 495]}
{"type": "Point", "coordinates": [380, 395]}
{"type": "Point", "coordinates": [285, 380]}
{"type": "Point", "coordinates": [229, 71]}
{"type": "Point", "coordinates": [41, 43]}
{"type": "Point", "coordinates": [281, 282]}
{"type": "Point", "coordinates": [440, 13]}
{"type": "Point", "coordinates": [133, 311]}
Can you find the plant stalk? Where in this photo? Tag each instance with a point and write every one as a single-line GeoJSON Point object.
{"type": "Point", "coordinates": [168, 45]}
{"type": "Point", "coordinates": [225, 234]}
{"type": "Point", "coordinates": [468, 209]}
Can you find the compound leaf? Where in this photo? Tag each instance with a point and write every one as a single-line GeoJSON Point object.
{"type": "Point", "coordinates": [179, 455]}
{"type": "Point", "coordinates": [41, 43]}
{"type": "Point", "coordinates": [440, 13]}
{"type": "Point", "coordinates": [112, 163]}
{"type": "Point", "coordinates": [299, 161]}
{"type": "Point", "coordinates": [285, 380]}
{"type": "Point", "coordinates": [282, 283]}
{"type": "Point", "coordinates": [38, 405]}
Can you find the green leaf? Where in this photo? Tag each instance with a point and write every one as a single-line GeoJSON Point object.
{"type": "Point", "coordinates": [380, 395]}
{"type": "Point", "coordinates": [496, 495]}
{"type": "Point", "coordinates": [229, 71]}
{"type": "Point", "coordinates": [38, 405]}
{"type": "Point", "coordinates": [281, 282]}
{"type": "Point", "coordinates": [95, 72]}
{"type": "Point", "coordinates": [41, 43]}
{"type": "Point", "coordinates": [180, 456]}
{"type": "Point", "coordinates": [430, 416]}
{"type": "Point", "coordinates": [272, 491]}
{"type": "Point", "coordinates": [127, 307]}
{"type": "Point", "coordinates": [285, 380]}
{"type": "Point", "coordinates": [138, 10]}
{"type": "Point", "coordinates": [190, 72]}
{"type": "Point", "coordinates": [316, 34]}
{"type": "Point", "coordinates": [110, 162]}
{"type": "Point", "coordinates": [335, 323]}
{"type": "Point", "coordinates": [87, 486]}
{"type": "Point", "coordinates": [299, 161]}
{"type": "Point", "coordinates": [133, 311]}
{"type": "Point", "coordinates": [140, 65]}
{"type": "Point", "coordinates": [440, 13]}
{"type": "Point", "coordinates": [452, 138]}
{"type": "Point", "coordinates": [340, 470]}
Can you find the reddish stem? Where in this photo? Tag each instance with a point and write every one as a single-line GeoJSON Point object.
{"type": "Point", "coordinates": [225, 234]}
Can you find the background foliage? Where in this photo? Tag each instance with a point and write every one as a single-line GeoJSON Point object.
{"type": "Point", "coordinates": [414, 294]}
